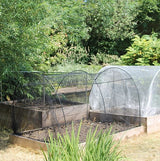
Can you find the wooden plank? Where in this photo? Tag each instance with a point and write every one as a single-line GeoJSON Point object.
{"type": "Point", "coordinates": [153, 124]}
{"type": "Point", "coordinates": [5, 116]}
{"type": "Point", "coordinates": [34, 144]}
{"type": "Point", "coordinates": [69, 90]}
{"type": "Point", "coordinates": [129, 133]}
{"type": "Point", "coordinates": [23, 118]}
{"type": "Point", "coordinates": [26, 142]}
{"type": "Point", "coordinates": [72, 113]}
{"type": "Point", "coordinates": [100, 116]}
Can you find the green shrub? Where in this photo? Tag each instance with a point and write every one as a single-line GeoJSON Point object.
{"type": "Point", "coordinates": [111, 25]}
{"type": "Point", "coordinates": [78, 54]}
{"type": "Point", "coordinates": [22, 40]}
{"type": "Point", "coordinates": [99, 147]}
{"type": "Point", "coordinates": [71, 66]}
{"type": "Point", "coordinates": [105, 59]}
{"type": "Point", "coordinates": [145, 50]}
{"type": "Point", "coordinates": [67, 30]}
{"type": "Point", "coordinates": [20, 85]}
{"type": "Point", "coordinates": [148, 17]}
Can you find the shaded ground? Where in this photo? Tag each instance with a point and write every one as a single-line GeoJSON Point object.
{"type": "Point", "coordinates": [142, 148]}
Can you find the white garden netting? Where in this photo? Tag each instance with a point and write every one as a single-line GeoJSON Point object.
{"type": "Point", "coordinates": [127, 90]}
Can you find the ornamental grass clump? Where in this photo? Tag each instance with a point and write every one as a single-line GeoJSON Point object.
{"type": "Point", "coordinates": [99, 146]}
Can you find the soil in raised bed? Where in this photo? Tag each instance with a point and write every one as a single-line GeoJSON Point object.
{"type": "Point", "coordinates": [43, 134]}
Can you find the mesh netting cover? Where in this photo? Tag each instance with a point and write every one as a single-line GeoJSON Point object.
{"type": "Point", "coordinates": [33, 100]}
{"type": "Point", "coordinates": [127, 90]}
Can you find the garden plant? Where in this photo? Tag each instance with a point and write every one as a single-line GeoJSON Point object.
{"type": "Point", "coordinates": [98, 147]}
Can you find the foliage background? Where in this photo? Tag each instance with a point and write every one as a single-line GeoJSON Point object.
{"type": "Point", "coordinates": [144, 50]}
{"type": "Point", "coordinates": [36, 35]}
{"type": "Point", "coordinates": [42, 34]}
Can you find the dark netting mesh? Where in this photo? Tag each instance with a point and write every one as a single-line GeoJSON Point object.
{"type": "Point", "coordinates": [23, 96]}
{"type": "Point", "coordinates": [132, 90]}
{"type": "Point", "coordinates": [35, 100]}
{"type": "Point", "coordinates": [34, 104]}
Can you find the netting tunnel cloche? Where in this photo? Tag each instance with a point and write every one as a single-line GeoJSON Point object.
{"type": "Point", "coordinates": [127, 90]}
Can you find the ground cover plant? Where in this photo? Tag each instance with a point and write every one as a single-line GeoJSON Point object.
{"type": "Point", "coordinates": [98, 147]}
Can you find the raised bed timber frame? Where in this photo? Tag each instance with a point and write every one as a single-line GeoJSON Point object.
{"type": "Point", "coordinates": [148, 125]}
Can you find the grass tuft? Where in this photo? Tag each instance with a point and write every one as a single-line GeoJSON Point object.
{"type": "Point", "coordinates": [99, 146]}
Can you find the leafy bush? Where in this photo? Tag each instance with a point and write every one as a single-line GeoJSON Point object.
{"type": "Point", "coordinates": [67, 31]}
{"type": "Point", "coordinates": [77, 54]}
{"type": "Point", "coordinates": [148, 17]}
{"type": "Point", "coordinates": [99, 147]}
{"type": "Point", "coordinates": [143, 51]}
{"type": "Point", "coordinates": [21, 85]}
{"type": "Point", "coordinates": [22, 41]}
{"type": "Point", "coordinates": [71, 66]}
{"type": "Point", "coordinates": [105, 59]}
{"type": "Point", "coordinates": [111, 25]}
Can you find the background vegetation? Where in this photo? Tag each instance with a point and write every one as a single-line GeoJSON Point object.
{"type": "Point", "coordinates": [41, 35]}
{"type": "Point", "coordinates": [144, 50]}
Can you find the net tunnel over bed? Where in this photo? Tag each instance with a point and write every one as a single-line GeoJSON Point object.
{"type": "Point", "coordinates": [127, 90]}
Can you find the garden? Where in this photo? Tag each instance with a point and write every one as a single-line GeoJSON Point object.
{"type": "Point", "coordinates": [69, 111]}
{"type": "Point", "coordinates": [75, 74]}
{"type": "Point", "coordinates": [46, 104]}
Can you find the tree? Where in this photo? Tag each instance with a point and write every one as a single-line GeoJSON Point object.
{"type": "Point", "coordinates": [22, 41]}
{"type": "Point", "coordinates": [111, 25]}
{"type": "Point", "coordinates": [148, 17]}
{"type": "Point", "coordinates": [68, 31]}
